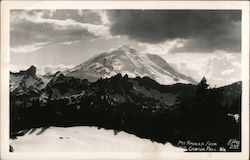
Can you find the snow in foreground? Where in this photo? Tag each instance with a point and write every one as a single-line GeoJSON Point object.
{"type": "Point", "coordinates": [85, 139]}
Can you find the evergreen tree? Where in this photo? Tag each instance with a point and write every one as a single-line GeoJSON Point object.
{"type": "Point", "coordinates": [201, 94]}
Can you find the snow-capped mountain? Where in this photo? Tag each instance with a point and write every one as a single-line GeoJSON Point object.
{"type": "Point", "coordinates": [42, 69]}
{"type": "Point", "coordinates": [25, 81]}
{"type": "Point", "coordinates": [126, 60]}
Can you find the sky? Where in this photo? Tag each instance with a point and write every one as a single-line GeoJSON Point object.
{"type": "Point", "coordinates": [195, 42]}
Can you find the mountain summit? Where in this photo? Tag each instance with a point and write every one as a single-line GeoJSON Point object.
{"type": "Point", "coordinates": [126, 60]}
{"type": "Point", "coordinates": [26, 81]}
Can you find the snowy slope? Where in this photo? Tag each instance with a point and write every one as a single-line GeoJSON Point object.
{"type": "Point", "coordinates": [85, 139]}
{"type": "Point", "coordinates": [126, 60]}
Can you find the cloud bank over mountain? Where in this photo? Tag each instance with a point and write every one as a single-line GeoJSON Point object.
{"type": "Point", "coordinates": [208, 31]}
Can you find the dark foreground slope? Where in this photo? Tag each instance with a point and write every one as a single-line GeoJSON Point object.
{"type": "Point", "coordinates": [163, 113]}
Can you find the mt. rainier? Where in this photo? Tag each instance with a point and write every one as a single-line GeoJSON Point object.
{"type": "Point", "coordinates": [126, 60]}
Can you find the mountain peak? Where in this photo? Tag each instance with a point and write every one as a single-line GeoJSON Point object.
{"type": "Point", "coordinates": [124, 47]}
{"type": "Point", "coordinates": [126, 60]}
{"type": "Point", "coordinates": [31, 71]}
{"type": "Point", "coordinates": [25, 81]}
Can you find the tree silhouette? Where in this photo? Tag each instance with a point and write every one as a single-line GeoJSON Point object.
{"type": "Point", "coordinates": [203, 83]}
{"type": "Point", "coordinates": [201, 96]}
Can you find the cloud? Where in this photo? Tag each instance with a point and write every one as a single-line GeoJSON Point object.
{"type": "Point", "coordinates": [81, 16]}
{"type": "Point", "coordinates": [33, 27]}
{"type": "Point", "coordinates": [219, 68]}
{"type": "Point", "coordinates": [203, 31]}
{"type": "Point", "coordinates": [227, 72]}
{"type": "Point", "coordinates": [164, 47]}
{"type": "Point", "coordinates": [69, 42]}
{"type": "Point", "coordinates": [189, 70]}
{"type": "Point", "coordinates": [226, 66]}
{"type": "Point", "coordinates": [27, 48]}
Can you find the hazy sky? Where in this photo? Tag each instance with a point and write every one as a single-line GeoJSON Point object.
{"type": "Point", "coordinates": [194, 41]}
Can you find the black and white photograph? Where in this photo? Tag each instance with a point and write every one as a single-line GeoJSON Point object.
{"type": "Point", "coordinates": [126, 80]}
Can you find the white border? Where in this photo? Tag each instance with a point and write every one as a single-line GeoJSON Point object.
{"type": "Point", "coordinates": [7, 5]}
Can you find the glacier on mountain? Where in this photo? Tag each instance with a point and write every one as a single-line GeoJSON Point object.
{"type": "Point", "coordinates": [126, 60]}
